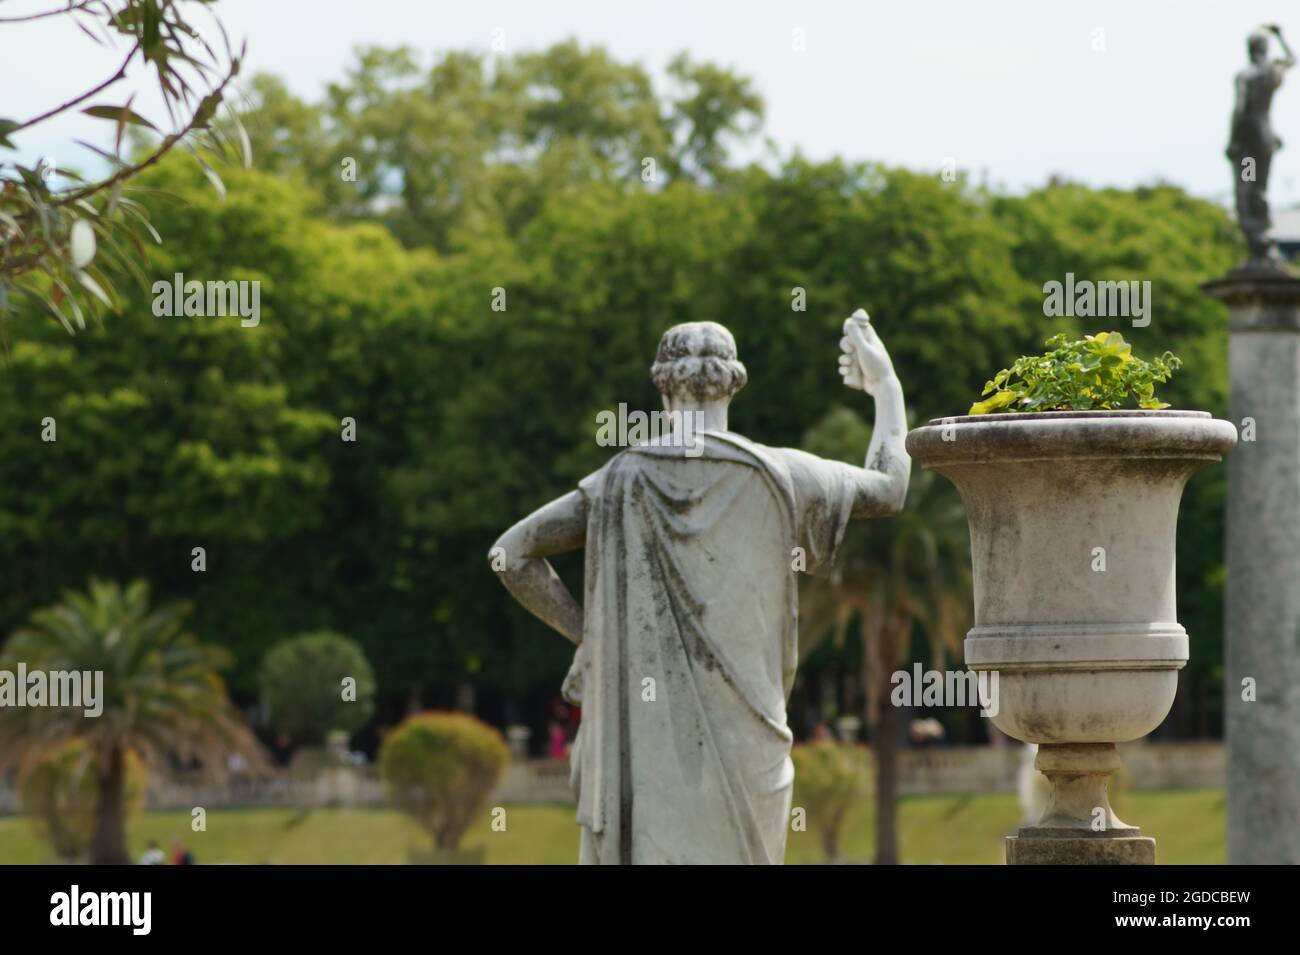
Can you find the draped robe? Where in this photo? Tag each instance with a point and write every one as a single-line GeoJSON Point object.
{"type": "Point", "coordinates": [690, 645]}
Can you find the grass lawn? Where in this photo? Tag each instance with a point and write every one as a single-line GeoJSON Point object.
{"type": "Point", "coordinates": [1188, 826]}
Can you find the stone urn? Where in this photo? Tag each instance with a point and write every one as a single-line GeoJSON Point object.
{"type": "Point", "coordinates": [1073, 518]}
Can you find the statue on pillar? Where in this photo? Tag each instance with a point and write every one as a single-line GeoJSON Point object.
{"type": "Point", "coordinates": [1251, 144]}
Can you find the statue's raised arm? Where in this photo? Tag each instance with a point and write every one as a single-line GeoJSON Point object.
{"type": "Point", "coordinates": [866, 366]}
{"type": "Point", "coordinates": [1288, 60]}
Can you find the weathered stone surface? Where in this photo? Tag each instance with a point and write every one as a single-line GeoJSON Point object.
{"type": "Point", "coordinates": [1080, 850]}
{"type": "Point", "coordinates": [1262, 618]}
{"type": "Point", "coordinates": [687, 632]}
{"type": "Point", "coordinates": [1073, 518]}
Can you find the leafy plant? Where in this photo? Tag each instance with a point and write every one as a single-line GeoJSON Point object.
{"type": "Point", "coordinates": [829, 779]}
{"type": "Point", "coordinates": [1096, 372]}
{"type": "Point", "coordinates": [440, 768]}
{"type": "Point", "coordinates": [63, 236]}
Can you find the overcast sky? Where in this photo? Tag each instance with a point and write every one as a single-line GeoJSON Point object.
{"type": "Point", "coordinates": [1110, 93]}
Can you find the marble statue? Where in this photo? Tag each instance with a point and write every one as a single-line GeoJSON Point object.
{"type": "Point", "coordinates": [686, 638]}
{"type": "Point", "coordinates": [1252, 142]}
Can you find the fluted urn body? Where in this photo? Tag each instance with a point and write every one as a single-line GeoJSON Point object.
{"type": "Point", "coordinates": [1073, 519]}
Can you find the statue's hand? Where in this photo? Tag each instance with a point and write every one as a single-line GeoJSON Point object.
{"type": "Point", "coordinates": [865, 364]}
{"type": "Point", "coordinates": [1273, 28]}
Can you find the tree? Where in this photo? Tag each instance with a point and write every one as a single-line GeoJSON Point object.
{"type": "Point", "coordinates": [305, 689]}
{"type": "Point", "coordinates": [891, 575]}
{"type": "Point", "coordinates": [469, 149]}
{"type": "Point", "coordinates": [161, 694]}
{"type": "Point", "coordinates": [711, 105]}
{"type": "Point", "coordinates": [60, 244]}
{"type": "Point", "coordinates": [198, 432]}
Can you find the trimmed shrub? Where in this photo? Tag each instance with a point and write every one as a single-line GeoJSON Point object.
{"type": "Point", "coordinates": [302, 684]}
{"type": "Point", "coordinates": [829, 779]}
{"type": "Point", "coordinates": [440, 768]}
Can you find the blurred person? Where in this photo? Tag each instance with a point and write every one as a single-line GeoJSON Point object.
{"type": "Point", "coordinates": [1032, 787]}
{"type": "Point", "coordinates": [181, 855]}
{"type": "Point", "coordinates": [282, 751]}
{"type": "Point", "coordinates": [926, 731]}
{"type": "Point", "coordinates": [557, 743]}
{"type": "Point", "coordinates": [153, 855]}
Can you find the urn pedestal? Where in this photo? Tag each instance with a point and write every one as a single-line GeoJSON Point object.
{"type": "Point", "coordinates": [1073, 518]}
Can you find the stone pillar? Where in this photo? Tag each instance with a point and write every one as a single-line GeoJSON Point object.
{"type": "Point", "coordinates": [1262, 627]}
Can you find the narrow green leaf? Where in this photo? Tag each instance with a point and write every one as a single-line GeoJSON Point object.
{"type": "Point", "coordinates": [119, 114]}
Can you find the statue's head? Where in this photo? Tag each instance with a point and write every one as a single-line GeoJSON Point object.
{"type": "Point", "coordinates": [1257, 45]}
{"type": "Point", "coordinates": [697, 362]}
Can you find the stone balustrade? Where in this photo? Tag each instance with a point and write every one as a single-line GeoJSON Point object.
{"type": "Point", "coordinates": [926, 771]}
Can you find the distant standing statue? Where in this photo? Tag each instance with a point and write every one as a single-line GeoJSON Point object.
{"type": "Point", "coordinates": [687, 639]}
{"type": "Point", "coordinates": [1252, 142]}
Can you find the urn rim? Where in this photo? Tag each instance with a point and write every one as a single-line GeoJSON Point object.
{"type": "Point", "coordinates": [1183, 435]}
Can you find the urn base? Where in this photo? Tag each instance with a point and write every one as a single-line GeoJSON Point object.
{"type": "Point", "coordinates": [1079, 827]}
{"type": "Point", "coordinates": [1102, 849]}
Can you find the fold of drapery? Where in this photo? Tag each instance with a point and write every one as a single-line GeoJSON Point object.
{"type": "Point", "coordinates": [688, 654]}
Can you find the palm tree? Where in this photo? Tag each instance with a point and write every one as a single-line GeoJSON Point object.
{"type": "Point", "coordinates": [891, 574]}
{"type": "Point", "coordinates": [161, 693]}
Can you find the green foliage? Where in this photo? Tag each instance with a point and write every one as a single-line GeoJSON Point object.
{"type": "Point", "coordinates": [472, 148]}
{"type": "Point", "coordinates": [302, 684]}
{"type": "Point", "coordinates": [63, 238]}
{"type": "Point", "coordinates": [1096, 372]}
{"type": "Point", "coordinates": [830, 779]}
{"type": "Point", "coordinates": [59, 790]}
{"type": "Point", "coordinates": [440, 768]}
{"type": "Point", "coordinates": [161, 694]}
{"type": "Point", "coordinates": [181, 432]}
{"type": "Point", "coordinates": [524, 173]}
{"type": "Point", "coordinates": [911, 569]}
{"type": "Point", "coordinates": [712, 105]}
{"type": "Point", "coordinates": [906, 582]}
